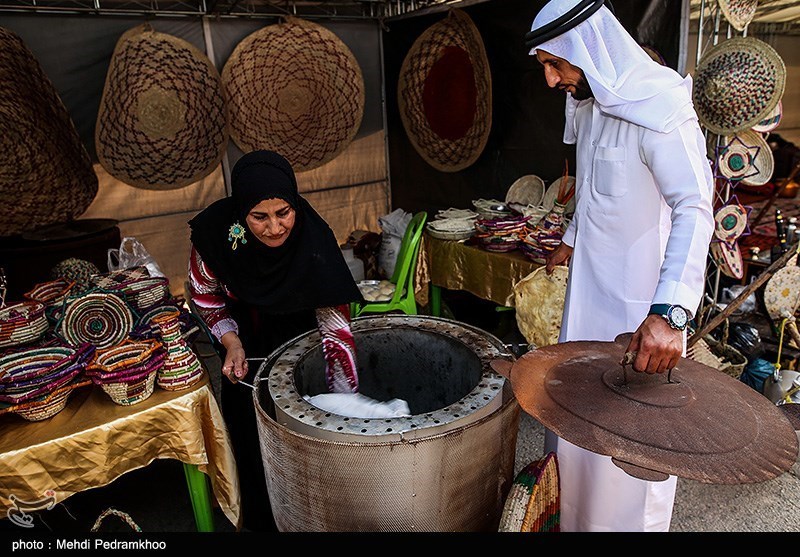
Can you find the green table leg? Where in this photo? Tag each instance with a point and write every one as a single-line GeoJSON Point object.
{"type": "Point", "coordinates": [200, 496]}
{"type": "Point", "coordinates": [436, 300]}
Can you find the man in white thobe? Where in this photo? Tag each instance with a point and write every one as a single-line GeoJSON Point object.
{"type": "Point", "coordinates": [638, 242]}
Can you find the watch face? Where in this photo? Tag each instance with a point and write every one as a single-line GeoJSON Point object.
{"type": "Point", "coordinates": [678, 317]}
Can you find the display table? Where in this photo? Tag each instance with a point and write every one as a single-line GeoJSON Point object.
{"type": "Point", "coordinates": [458, 266]}
{"type": "Point", "coordinates": [93, 441]}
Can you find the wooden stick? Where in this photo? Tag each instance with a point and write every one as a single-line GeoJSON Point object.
{"type": "Point", "coordinates": [774, 195]}
{"type": "Point", "coordinates": [711, 324]}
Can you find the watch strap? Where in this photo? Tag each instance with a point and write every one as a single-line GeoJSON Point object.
{"type": "Point", "coordinates": [659, 309]}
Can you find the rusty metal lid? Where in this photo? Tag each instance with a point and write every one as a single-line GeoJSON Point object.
{"type": "Point", "coordinates": [693, 422]}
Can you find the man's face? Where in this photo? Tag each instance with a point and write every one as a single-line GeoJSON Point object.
{"type": "Point", "coordinates": [560, 73]}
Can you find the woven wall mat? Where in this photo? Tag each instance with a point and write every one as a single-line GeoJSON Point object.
{"type": "Point", "coordinates": [294, 88]}
{"type": "Point", "coordinates": [163, 122]}
{"type": "Point", "coordinates": [444, 93]}
{"type": "Point", "coordinates": [46, 175]}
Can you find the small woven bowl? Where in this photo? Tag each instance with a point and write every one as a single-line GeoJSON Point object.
{"type": "Point", "coordinates": [51, 293]}
{"type": "Point", "coordinates": [145, 293]}
{"type": "Point", "coordinates": [127, 393]}
{"type": "Point", "coordinates": [22, 323]}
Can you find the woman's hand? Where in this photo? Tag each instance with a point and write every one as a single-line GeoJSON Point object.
{"type": "Point", "coordinates": [235, 365]}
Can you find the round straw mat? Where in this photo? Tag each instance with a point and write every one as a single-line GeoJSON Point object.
{"type": "Point", "coordinates": [764, 161]}
{"type": "Point", "coordinates": [46, 175]}
{"type": "Point", "coordinates": [526, 190]}
{"type": "Point", "coordinates": [730, 222]}
{"type": "Point", "coordinates": [294, 88]}
{"type": "Point", "coordinates": [739, 13]}
{"type": "Point", "coordinates": [445, 93]}
{"type": "Point", "coordinates": [771, 121]}
{"type": "Point", "coordinates": [746, 157]}
{"type": "Point", "coordinates": [737, 84]}
{"type": "Point", "coordinates": [729, 258]}
{"type": "Point", "coordinates": [162, 123]}
{"type": "Point", "coordinates": [782, 291]}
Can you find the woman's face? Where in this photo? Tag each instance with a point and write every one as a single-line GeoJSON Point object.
{"type": "Point", "coordinates": [271, 221]}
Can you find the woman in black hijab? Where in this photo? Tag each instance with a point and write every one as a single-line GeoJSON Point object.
{"type": "Point", "coordinates": [266, 268]}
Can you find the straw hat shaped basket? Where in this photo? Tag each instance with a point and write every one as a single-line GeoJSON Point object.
{"type": "Point", "coordinates": [294, 88]}
{"type": "Point", "coordinates": [737, 84]}
{"type": "Point", "coordinates": [163, 122]}
{"type": "Point", "coordinates": [46, 174]}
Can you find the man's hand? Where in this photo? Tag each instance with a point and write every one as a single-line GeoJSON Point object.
{"type": "Point", "coordinates": [658, 346]}
{"type": "Point", "coordinates": [559, 256]}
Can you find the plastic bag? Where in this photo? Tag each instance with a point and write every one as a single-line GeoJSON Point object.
{"type": "Point", "coordinates": [748, 305]}
{"type": "Point", "coordinates": [132, 253]}
{"type": "Point", "coordinates": [756, 373]}
{"type": "Point", "coordinates": [394, 227]}
{"type": "Point", "coordinates": [356, 405]}
{"type": "Point", "coordinates": [746, 339]}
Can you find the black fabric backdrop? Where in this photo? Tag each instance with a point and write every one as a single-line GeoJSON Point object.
{"type": "Point", "coordinates": [527, 116]}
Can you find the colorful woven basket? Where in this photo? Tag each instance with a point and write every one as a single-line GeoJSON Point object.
{"type": "Point", "coordinates": [182, 368]}
{"type": "Point", "coordinates": [22, 323]}
{"type": "Point", "coordinates": [737, 84]}
{"type": "Point", "coordinates": [295, 88]}
{"type": "Point", "coordinates": [99, 318]}
{"type": "Point", "coordinates": [127, 372]}
{"type": "Point", "coordinates": [36, 383]}
{"type": "Point", "coordinates": [534, 501]}
{"type": "Point", "coordinates": [33, 373]}
{"type": "Point", "coordinates": [118, 278]}
{"type": "Point", "coordinates": [78, 271]}
{"type": "Point", "coordinates": [48, 405]}
{"type": "Point", "coordinates": [52, 294]}
{"type": "Point", "coordinates": [143, 294]}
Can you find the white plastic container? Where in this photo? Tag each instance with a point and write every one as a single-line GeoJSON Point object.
{"type": "Point", "coordinates": [354, 263]}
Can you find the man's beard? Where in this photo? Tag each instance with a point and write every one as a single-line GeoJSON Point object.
{"type": "Point", "coordinates": [582, 90]}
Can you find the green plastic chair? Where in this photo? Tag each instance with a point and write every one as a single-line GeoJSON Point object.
{"type": "Point", "coordinates": [403, 275]}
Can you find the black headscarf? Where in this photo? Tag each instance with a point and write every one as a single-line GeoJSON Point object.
{"type": "Point", "coordinates": [307, 272]}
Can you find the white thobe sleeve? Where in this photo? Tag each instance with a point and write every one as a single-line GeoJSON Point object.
{"type": "Point", "coordinates": [683, 175]}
